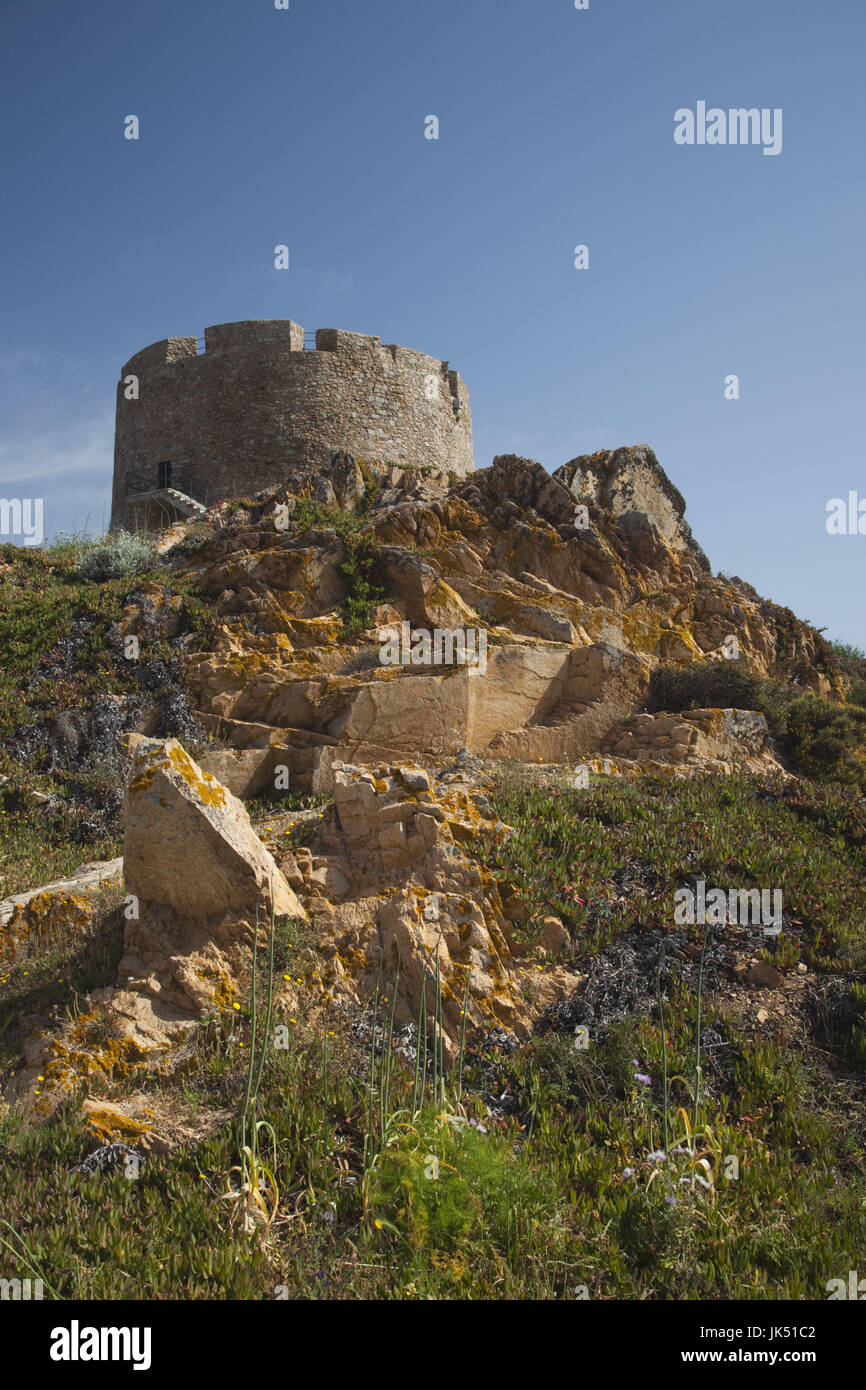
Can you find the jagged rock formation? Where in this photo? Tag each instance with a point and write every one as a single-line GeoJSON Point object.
{"type": "Point", "coordinates": [197, 880]}
{"type": "Point", "coordinates": [574, 617]}
{"type": "Point", "coordinates": [574, 586]}
{"type": "Point", "coordinates": [631, 485]}
{"type": "Point", "coordinates": [390, 885]}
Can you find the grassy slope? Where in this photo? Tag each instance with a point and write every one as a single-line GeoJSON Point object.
{"type": "Point", "coordinates": [556, 1190]}
{"type": "Point", "coordinates": [54, 629]}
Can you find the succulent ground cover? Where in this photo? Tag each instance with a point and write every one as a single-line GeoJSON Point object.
{"type": "Point", "coordinates": [558, 1166]}
{"type": "Point", "coordinates": [681, 1117]}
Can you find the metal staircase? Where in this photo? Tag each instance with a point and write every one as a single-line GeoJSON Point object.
{"type": "Point", "coordinates": [171, 486]}
{"type": "Point", "coordinates": [186, 505]}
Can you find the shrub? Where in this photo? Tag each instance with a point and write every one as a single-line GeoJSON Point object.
{"type": "Point", "coordinates": [847, 651]}
{"type": "Point", "coordinates": [822, 738]}
{"type": "Point", "coordinates": [857, 1041]}
{"type": "Point", "coordinates": [825, 739]}
{"type": "Point", "coordinates": [715, 685]}
{"type": "Point", "coordinates": [116, 557]}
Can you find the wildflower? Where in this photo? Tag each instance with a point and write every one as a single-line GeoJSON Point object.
{"type": "Point", "coordinates": [377, 1223]}
{"type": "Point", "coordinates": [658, 1156]}
{"type": "Point", "coordinates": [643, 1078]}
{"type": "Point", "coordinates": [236, 1006]}
{"type": "Point", "coordinates": [671, 1201]}
{"type": "Point", "coordinates": [629, 1172]}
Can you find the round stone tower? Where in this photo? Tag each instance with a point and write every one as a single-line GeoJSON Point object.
{"type": "Point", "coordinates": [201, 420]}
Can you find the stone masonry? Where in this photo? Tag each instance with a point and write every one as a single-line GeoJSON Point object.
{"type": "Point", "coordinates": [255, 403]}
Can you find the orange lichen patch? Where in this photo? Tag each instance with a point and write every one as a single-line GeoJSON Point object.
{"type": "Point", "coordinates": [109, 1123]}
{"type": "Point", "coordinates": [148, 763]}
{"type": "Point", "coordinates": [171, 757]}
{"type": "Point", "coordinates": [225, 992]}
{"type": "Point", "coordinates": [208, 789]}
{"type": "Point", "coordinates": [354, 960]}
{"type": "Point", "coordinates": [87, 1054]}
{"type": "Point", "coordinates": [463, 817]}
{"type": "Point", "coordinates": [44, 920]}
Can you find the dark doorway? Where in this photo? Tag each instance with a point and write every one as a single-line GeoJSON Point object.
{"type": "Point", "coordinates": [164, 474]}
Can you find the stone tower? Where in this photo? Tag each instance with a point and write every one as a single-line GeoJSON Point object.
{"type": "Point", "coordinates": [201, 420]}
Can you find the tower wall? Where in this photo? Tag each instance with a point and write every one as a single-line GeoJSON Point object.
{"type": "Point", "coordinates": [239, 414]}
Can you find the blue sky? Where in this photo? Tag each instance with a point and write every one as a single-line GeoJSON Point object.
{"type": "Point", "coordinates": [306, 127]}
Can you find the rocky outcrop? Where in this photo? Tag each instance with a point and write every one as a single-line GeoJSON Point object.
{"type": "Point", "coordinates": [392, 885]}
{"type": "Point", "coordinates": [713, 740]}
{"type": "Point", "coordinates": [83, 884]}
{"type": "Point", "coordinates": [189, 845]}
{"type": "Point", "coordinates": [200, 877]}
{"type": "Point", "coordinates": [575, 611]}
{"type": "Point", "coordinates": [630, 484]}
{"type": "Point", "coordinates": [197, 881]}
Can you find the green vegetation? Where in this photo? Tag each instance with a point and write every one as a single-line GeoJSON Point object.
{"type": "Point", "coordinates": [359, 569]}
{"type": "Point", "coordinates": [740, 832]}
{"type": "Point", "coordinates": [271, 801]}
{"type": "Point", "coordinates": [847, 651]}
{"type": "Point", "coordinates": [825, 739]}
{"type": "Point", "coordinates": [115, 556]}
{"type": "Point", "coordinates": [61, 652]}
{"type": "Point", "coordinates": [620, 1169]}
{"type": "Point", "coordinates": [715, 685]}
{"type": "Point", "coordinates": [820, 737]}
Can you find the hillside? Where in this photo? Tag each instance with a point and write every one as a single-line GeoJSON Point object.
{"type": "Point", "coordinates": [428, 886]}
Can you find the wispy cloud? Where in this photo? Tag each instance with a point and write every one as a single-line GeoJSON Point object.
{"type": "Point", "coordinates": [69, 466]}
